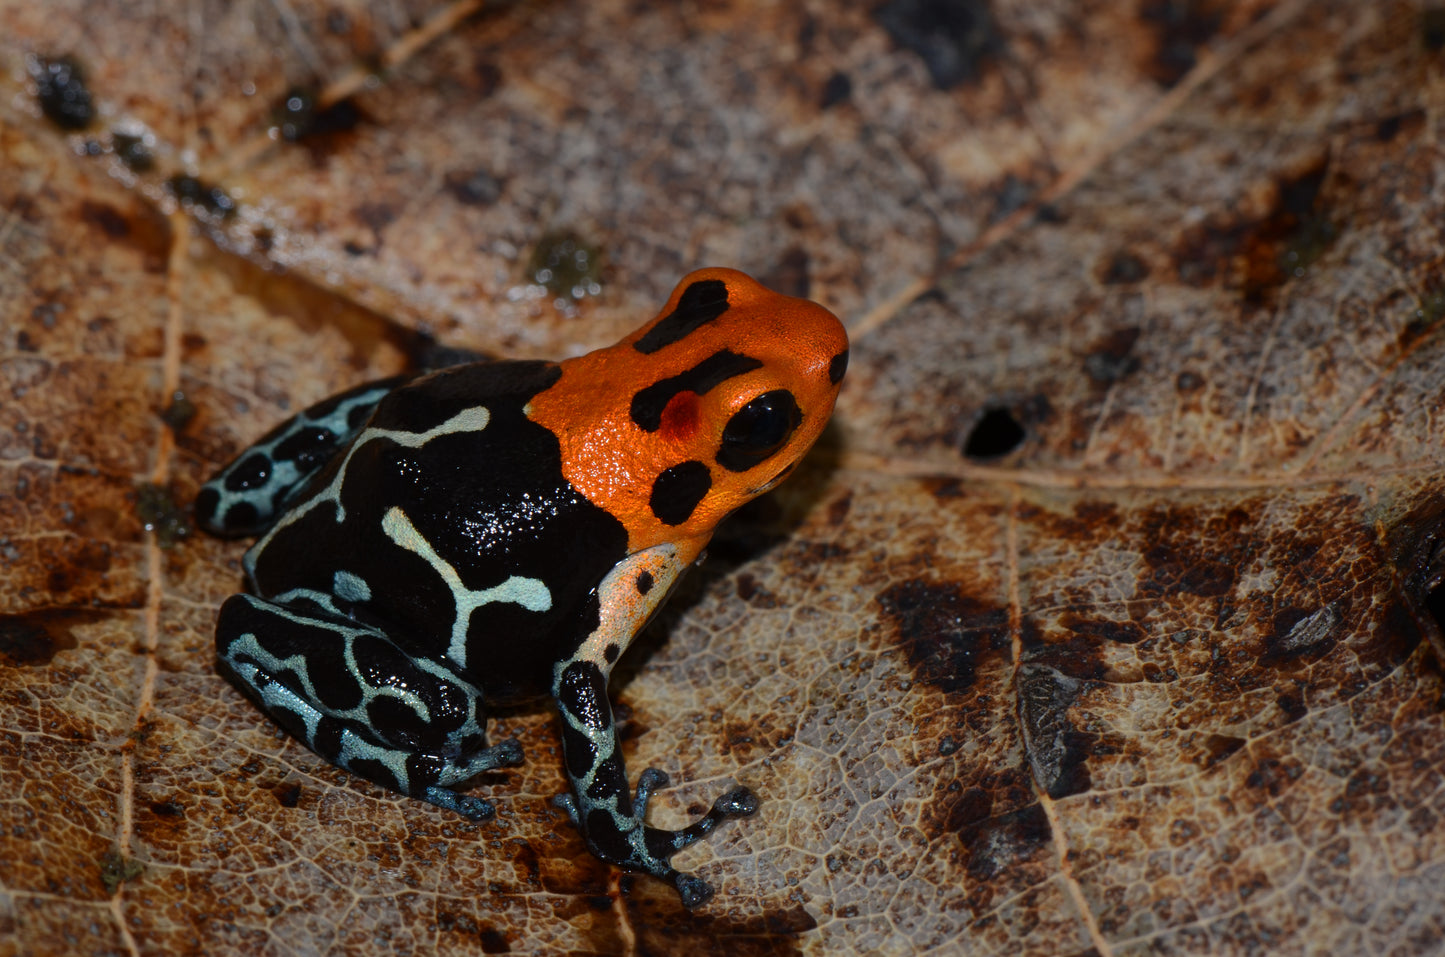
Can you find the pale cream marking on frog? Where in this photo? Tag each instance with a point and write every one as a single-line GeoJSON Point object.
{"type": "Point", "coordinates": [531, 593]}
{"type": "Point", "coordinates": [474, 419]}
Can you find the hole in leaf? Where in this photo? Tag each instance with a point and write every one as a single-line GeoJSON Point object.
{"type": "Point", "coordinates": [996, 434]}
{"type": "Point", "coordinates": [1435, 604]}
{"type": "Point", "coordinates": [1434, 582]}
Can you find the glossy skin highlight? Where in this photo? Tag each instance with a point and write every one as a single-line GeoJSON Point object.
{"type": "Point", "coordinates": [501, 531]}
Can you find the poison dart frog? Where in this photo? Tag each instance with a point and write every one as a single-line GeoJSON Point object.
{"type": "Point", "coordinates": [500, 531]}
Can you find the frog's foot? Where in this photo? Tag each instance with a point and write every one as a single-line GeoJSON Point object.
{"type": "Point", "coordinates": [358, 701]}
{"type": "Point", "coordinates": [505, 754]}
{"type": "Point", "coordinates": [446, 772]}
{"type": "Point", "coordinates": [626, 841]}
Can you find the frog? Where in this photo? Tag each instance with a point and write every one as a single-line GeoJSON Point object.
{"type": "Point", "coordinates": [498, 532]}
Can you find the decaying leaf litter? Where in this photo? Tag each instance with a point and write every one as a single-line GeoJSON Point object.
{"type": "Point", "coordinates": [1158, 678]}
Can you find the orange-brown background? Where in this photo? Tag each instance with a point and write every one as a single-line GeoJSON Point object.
{"type": "Point", "coordinates": [1160, 680]}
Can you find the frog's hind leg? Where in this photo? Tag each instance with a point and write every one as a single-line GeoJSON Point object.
{"type": "Point", "coordinates": [247, 496]}
{"type": "Point", "coordinates": [360, 701]}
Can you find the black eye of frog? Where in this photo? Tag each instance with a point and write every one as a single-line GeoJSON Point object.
{"type": "Point", "coordinates": [758, 430]}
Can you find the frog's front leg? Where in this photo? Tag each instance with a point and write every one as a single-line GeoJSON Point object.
{"type": "Point", "coordinates": [601, 804]}
{"type": "Point", "coordinates": [358, 700]}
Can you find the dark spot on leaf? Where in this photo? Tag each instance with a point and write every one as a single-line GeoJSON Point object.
{"type": "Point", "coordinates": [35, 637]}
{"type": "Point", "coordinates": [1271, 775]}
{"type": "Point", "coordinates": [475, 187]}
{"type": "Point", "coordinates": [998, 845]}
{"type": "Point", "coordinates": [299, 116]}
{"type": "Point", "coordinates": [837, 90]}
{"type": "Point", "coordinates": [158, 511]}
{"type": "Point", "coordinates": [1256, 257]}
{"type": "Point", "coordinates": [1302, 632]}
{"type": "Point", "coordinates": [1291, 706]}
{"type": "Point", "coordinates": [287, 795]}
{"type": "Point", "coordinates": [1217, 747]}
{"type": "Point", "coordinates": [1057, 751]}
{"type": "Point", "coordinates": [171, 809]}
{"type": "Point", "coordinates": [488, 78]}
{"type": "Point", "coordinates": [1011, 195]}
{"type": "Point", "coordinates": [791, 274]}
{"type": "Point", "coordinates": [567, 266]}
{"type": "Point", "coordinates": [752, 592]}
{"type": "Point", "coordinates": [1428, 312]}
{"type": "Point", "coordinates": [954, 38]}
{"type": "Point", "coordinates": [1105, 629]}
{"type": "Point", "coordinates": [134, 151]}
{"type": "Point", "coordinates": [105, 217]}
{"type": "Point", "coordinates": [193, 194]}
{"type": "Point", "coordinates": [1111, 358]}
{"type": "Point", "coordinates": [116, 870]}
{"type": "Point", "coordinates": [1181, 27]}
{"type": "Point", "coordinates": [1051, 214]}
{"type": "Point", "coordinates": [376, 216]}
{"type": "Point", "coordinates": [1432, 28]}
{"type": "Point", "coordinates": [946, 635]}
{"type": "Point", "coordinates": [179, 412]}
{"type": "Point", "coordinates": [1123, 268]}
{"type": "Point", "coordinates": [1193, 554]}
{"type": "Point", "coordinates": [60, 87]}
{"type": "Point", "coordinates": [493, 941]}
{"type": "Point", "coordinates": [996, 434]}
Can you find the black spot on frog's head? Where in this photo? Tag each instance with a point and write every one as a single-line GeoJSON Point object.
{"type": "Point", "coordinates": [611, 653]}
{"type": "Point", "coordinates": [837, 367]}
{"type": "Point", "coordinates": [644, 583]}
{"type": "Point", "coordinates": [648, 403]}
{"type": "Point", "coordinates": [700, 303]}
{"type": "Point", "coordinates": [677, 492]}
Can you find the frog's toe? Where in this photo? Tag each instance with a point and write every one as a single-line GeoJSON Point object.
{"type": "Point", "coordinates": [568, 805]}
{"type": "Point", "coordinates": [471, 808]}
{"type": "Point", "coordinates": [506, 754]}
{"type": "Point", "coordinates": [739, 802]}
{"type": "Point", "coordinates": [694, 891]}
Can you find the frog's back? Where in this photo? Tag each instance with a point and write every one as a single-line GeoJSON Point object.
{"type": "Point", "coordinates": [448, 521]}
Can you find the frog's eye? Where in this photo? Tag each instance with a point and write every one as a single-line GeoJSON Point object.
{"type": "Point", "coordinates": [758, 430]}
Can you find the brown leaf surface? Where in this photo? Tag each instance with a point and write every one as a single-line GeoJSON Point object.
{"type": "Point", "coordinates": [1160, 678]}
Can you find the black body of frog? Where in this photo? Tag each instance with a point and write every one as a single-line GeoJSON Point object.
{"type": "Point", "coordinates": [424, 551]}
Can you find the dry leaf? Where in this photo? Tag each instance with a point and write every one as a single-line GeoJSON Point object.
{"type": "Point", "coordinates": [1102, 622]}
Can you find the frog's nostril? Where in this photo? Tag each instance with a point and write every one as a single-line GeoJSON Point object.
{"type": "Point", "coordinates": [837, 367]}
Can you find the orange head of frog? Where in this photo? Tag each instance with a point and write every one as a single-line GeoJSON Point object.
{"type": "Point", "coordinates": [707, 406]}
